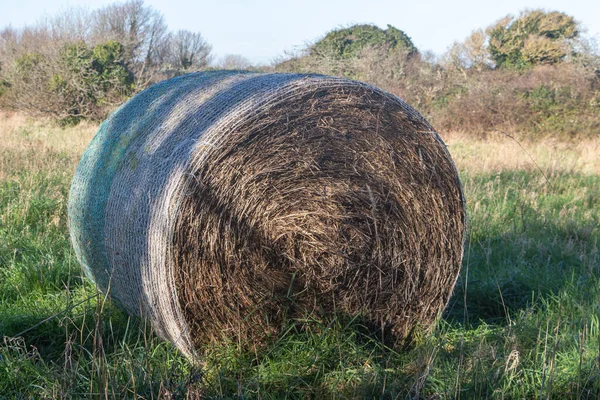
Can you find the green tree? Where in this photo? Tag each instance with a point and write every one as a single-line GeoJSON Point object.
{"type": "Point", "coordinates": [89, 79]}
{"type": "Point", "coordinates": [112, 70]}
{"type": "Point", "coordinates": [535, 37]}
{"type": "Point", "coordinates": [348, 42]}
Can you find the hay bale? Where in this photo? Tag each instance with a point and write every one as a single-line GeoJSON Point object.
{"type": "Point", "coordinates": [216, 204]}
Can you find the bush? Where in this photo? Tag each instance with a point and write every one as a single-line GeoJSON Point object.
{"type": "Point", "coordinates": [348, 42]}
{"type": "Point", "coordinates": [90, 82]}
{"type": "Point", "coordinates": [554, 100]}
{"type": "Point", "coordinates": [76, 83]}
{"type": "Point", "coordinates": [536, 37]}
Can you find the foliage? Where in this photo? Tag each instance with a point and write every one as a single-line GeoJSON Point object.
{"type": "Point", "coordinates": [77, 82]}
{"type": "Point", "coordinates": [27, 63]}
{"type": "Point", "coordinates": [88, 79]}
{"type": "Point", "coordinates": [109, 64]}
{"type": "Point", "coordinates": [535, 37]}
{"type": "Point", "coordinates": [348, 42]}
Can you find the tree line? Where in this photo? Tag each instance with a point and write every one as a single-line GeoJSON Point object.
{"type": "Point", "coordinates": [534, 73]}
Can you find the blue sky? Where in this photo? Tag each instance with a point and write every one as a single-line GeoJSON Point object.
{"type": "Point", "coordinates": [262, 30]}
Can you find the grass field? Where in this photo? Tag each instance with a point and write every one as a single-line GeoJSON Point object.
{"type": "Point", "coordinates": [524, 321]}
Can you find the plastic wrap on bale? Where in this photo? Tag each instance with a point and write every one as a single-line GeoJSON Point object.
{"type": "Point", "coordinates": [218, 205]}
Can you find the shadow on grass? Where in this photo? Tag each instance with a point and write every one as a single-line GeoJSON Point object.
{"type": "Point", "coordinates": [527, 241]}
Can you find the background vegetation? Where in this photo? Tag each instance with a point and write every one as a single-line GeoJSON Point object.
{"type": "Point", "coordinates": [81, 65]}
{"type": "Point", "coordinates": [530, 75]}
{"type": "Point", "coordinates": [524, 321]}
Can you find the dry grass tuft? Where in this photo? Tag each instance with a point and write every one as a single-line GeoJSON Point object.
{"type": "Point", "coordinates": [501, 153]}
{"type": "Point", "coordinates": [29, 144]}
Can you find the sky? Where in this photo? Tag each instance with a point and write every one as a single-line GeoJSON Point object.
{"type": "Point", "coordinates": [265, 30]}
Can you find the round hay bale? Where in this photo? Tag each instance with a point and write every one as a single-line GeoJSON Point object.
{"type": "Point", "coordinates": [218, 204]}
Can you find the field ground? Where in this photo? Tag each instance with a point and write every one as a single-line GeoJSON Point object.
{"type": "Point", "coordinates": [524, 321]}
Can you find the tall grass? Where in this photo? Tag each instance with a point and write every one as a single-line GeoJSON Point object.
{"type": "Point", "coordinates": [523, 322]}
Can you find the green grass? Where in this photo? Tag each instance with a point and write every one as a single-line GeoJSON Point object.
{"type": "Point", "coordinates": [523, 321]}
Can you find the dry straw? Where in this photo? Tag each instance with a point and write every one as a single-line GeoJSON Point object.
{"type": "Point", "coordinates": [218, 204]}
